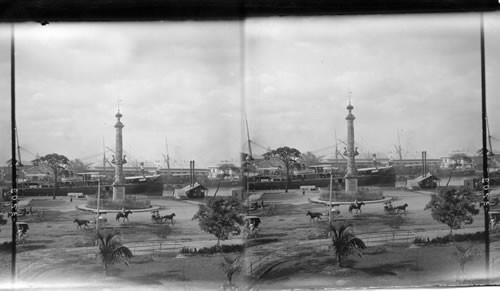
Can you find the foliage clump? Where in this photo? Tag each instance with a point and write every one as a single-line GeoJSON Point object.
{"type": "Point", "coordinates": [220, 216]}
{"type": "Point", "coordinates": [289, 157]}
{"type": "Point", "coordinates": [453, 207]}
{"type": "Point", "coordinates": [478, 236]}
{"type": "Point", "coordinates": [56, 162]}
{"type": "Point", "coordinates": [345, 242]}
{"type": "Point", "coordinates": [213, 249]}
{"type": "Point", "coordinates": [111, 250]}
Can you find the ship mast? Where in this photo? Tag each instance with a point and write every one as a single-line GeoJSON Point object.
{"type": "Point", "coordinates": [336, 151]}
{"type": "Point", "coordinates": [20, 161]}
{"type": "Point", "coordinates": [168, 155]}
{"type": "Point", "coordinates": [399, 150]}
{"type": "Point", "coordinates": [248, 138]}
{"type": "Point", "coordinates": [489, 139]}
{"type": "Point", "coordinates": [104, 158]}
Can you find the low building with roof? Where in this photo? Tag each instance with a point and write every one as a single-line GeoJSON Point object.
{"type": "Point", "coordinates": [195, 191]}
{"type": "Point", "coordinates": [427, 181]}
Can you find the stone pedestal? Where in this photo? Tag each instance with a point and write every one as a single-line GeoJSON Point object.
{"type": "Point", "coordinates": [118, 192]}
{"type": "Point", "coordinates": [351, 185]}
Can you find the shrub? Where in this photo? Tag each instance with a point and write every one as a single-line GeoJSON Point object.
{"type": "Point", "coordinates": [364, 193]}
{"type": "Point", "coordinates": [478, 236]}
{"type": "Point", "coordinates": [6, 246]}
{"type": "Point", "coordinates": [213, 249]}
{"type": "Point", "coordinates": [130, 202]}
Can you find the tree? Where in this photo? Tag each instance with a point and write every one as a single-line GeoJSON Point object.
{"type": "Point", "coordinates": [220, 217]}
{"type": "Point", "coordinates": [162, 232]}
{"type": "Point", "coordinates": [289, 158]}
{"type": "Point", "coordinates": [231, 266]}
{"type": "Point", "coordinates": [226, 169]}
{"type": "Point", "coordinates": [395, 223]}
{"type": "Point", "coordinates": [453, 207]}
{"type": "Point", "coordinates": [111, 249]}
{"type": "Point", "coordinates": [55, 162]}
{"type": "Point", "coordinates": [3, 221]}
{"type": "Point", "coordinates": [344, 242]}
{"type": "Point", "coordinates": [78, 166]}
{"type": "Point", "coordinates": [457, 161]}
{"type": "Point", "coordinates": [308, 158]}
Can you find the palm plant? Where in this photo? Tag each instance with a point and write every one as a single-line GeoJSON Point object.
{"type": "Point", "coordinates": [464, 255]}
{"type": "Point", "coordinates": [231, 266]}
{"type": "Point", "coordinates": [344, 242]}
{"type": "Point", "coordinates": [111, 249]}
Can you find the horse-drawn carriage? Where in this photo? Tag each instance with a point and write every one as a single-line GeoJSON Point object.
{"type": "Point", "coordinates": [389, 209]}
{"type": "Point", "coordinates": [156, 217]}
{"type": "Point", "coordinates": [21, 230]}
{"type": "Point", "coordinates": [494, 219]}
{"type": "Point", "coordinates": [334, 209]}
{"type": "Point", "coordinates": [257, 204]}
{"type": "Point", "coordinates": [101, 219]}
{"type": "Point", "coordinates": [252, 226]}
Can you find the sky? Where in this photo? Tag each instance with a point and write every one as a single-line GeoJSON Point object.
{"type": "Point", "coordinates": [191, 84]}
{"type": "Point", "coordinates": [179, 85]}
{"type": "Point", "coordinates": [416, 76]}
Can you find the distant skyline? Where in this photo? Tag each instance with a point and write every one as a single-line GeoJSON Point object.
{"type": "Point", "coordinates": [193, 83]}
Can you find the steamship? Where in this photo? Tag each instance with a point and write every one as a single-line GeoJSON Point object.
{"type": "Point", "coordinates": [376, 176]}
{"type": "Point", "coordinates": [88, 184]}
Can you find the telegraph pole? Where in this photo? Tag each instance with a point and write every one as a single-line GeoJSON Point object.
{"type": "Point", "coordinates": [486, 180]}
{"type": "Point", "coordinates": [13, 160]}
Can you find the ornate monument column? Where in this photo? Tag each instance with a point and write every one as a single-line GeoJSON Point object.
{"type": "Point", "coordinates": [119, 161]}
{"type": "Point", "coordinates": [351, 182]}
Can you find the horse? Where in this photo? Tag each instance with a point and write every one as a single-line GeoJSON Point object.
{"type": "Point", "coordinates": [314, 215]}
{"type": "Point", "coordinates": [81, 222]}
{"type": "Point", "coordinates": [123, 215]}
{"type": "Point", "coordinates": [401, 207]}
{"type": "Point", "coordinates": [357, 206]}
{"type": "Point", "coordinates": [168, 217]}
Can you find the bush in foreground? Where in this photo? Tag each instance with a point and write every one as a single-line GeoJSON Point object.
{"type": "Point", "coordinates": [213, 249]}
{"type": "Point", "coordinates": [478, 236]}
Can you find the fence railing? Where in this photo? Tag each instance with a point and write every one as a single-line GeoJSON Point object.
{"type": "Point", "coordinates": [384, 238]}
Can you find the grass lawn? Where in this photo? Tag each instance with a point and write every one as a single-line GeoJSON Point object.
{"type": "Point", "coordinates": [381, 267]}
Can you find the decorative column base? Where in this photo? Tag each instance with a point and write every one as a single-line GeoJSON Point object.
{"type": "Point", "coordinates": [118, 192]}
{"type": "Point", "coordinates": [351, 185]}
